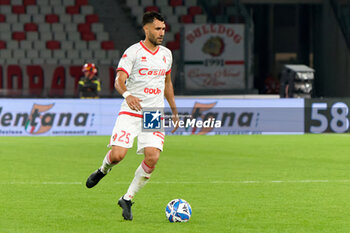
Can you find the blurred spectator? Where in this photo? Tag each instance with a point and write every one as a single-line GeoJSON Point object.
{"type": "Point", "coordinates": [271, 85]}
{"type": "Point", "coordinates": [89, 85]}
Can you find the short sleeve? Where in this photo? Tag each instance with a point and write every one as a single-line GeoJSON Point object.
{"type": "Point", "coordinates": [170, 58]}
{"type": "Point", "coordinates": [126, 62]}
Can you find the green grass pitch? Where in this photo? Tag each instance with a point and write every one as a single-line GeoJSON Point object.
{"type": "Point", "coordinates": [239, 183]}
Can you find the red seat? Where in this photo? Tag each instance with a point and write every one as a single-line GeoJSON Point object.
{"type": "Point", "coordinates": [81, 2]}
{"type": "Point", "coordinates": [177, 36]}
{"type": "Point", "coordinates": [173, 45]}
{"type": "Point", "coordinates": [152, 8]}
{"type": "Point", "coordinates": [107, 45]}
{"type": "Point", "coordinates": [29, 2]}
{"type": "Point", "coordinates": [53, 44]}
{"type": "Point", "coordinates": [2, 44]}
{"type": "Point", "coordinates": [84, 27]}
{"type": "Point", "coordinates": [167, 27]}
{"type": "Point", "coordinates": [18, 9]}
{"type": "Point", "coordinates": [52, 18]}
{"type": "Point", "coordinates": [186, 19]}
{"type": "Point", "coordinates": [72, 10]}
{"type": "Point", "coordinates": [2, 18]}
{"type": "Point", "coordinates": [88, 36]}
{"type": "Point", "coordinates": [195, 10]}
{"type": "Point", "coordinates": [18, 35]}
{"type": "Point", "coordinates": [175, 3]}
{"type": "Point", "coordinates": [91, 18]}
{"type": "Point", "coordinates": [30, 27]}
{"type": "Point", "coordinates": [4, 2]}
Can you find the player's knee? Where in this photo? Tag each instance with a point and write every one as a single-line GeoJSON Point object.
{"type": "Point", "coordinates": [117, 154]}
{"type": "Point", "coordinates": [152, 156]}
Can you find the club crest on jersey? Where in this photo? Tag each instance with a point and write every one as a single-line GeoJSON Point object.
{"type": "Point", "coordinates": [164, 59]}
{"type": "Point", "coordinates": [124, 55]}
{"type": "Point", "coordinates": [144, 59]}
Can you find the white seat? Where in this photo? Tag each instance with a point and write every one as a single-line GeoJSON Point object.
{"type": "Point", "coordinates": [32, 10]}
{"type": "Point", "coordinates": [60, 36]}
{"type": "Point", "coordinates": [59, 10]}
{"type": "Point", "coordinates": [59, 54]}
{"type": "Point", "coordinates": [70, 27]}
{"type": "Point", "coordinates": [44, 27]}
{"type": "Point", "coordinates": [105, 61]}
{"type": "Point", "coordinates": [38, 61]}
{"type": "Point", "coordinates": [166, 10]}
{"type": "Point", "coordinates": [55, 2]}
{"type": "Point", "coordinates": [137, 10]}
{"type": "Point", "coordinates": [94, 45]}
{"type": "Point", "coordinates": [19, 53]}
{"type": "Point", "coordinates": [132, 3]}
{"type": "Point", "coordinates": [24, 18]}
{"type": "Point", "coordinates": [45, 53]}
{"type": "Point", "coordinates": [78, 19]}
{"type": "Point", "coordinates": [86, 10]}
{"type": "Point", "coordinates": [77, 61]}
{"type": "Point", "coordinates": [25, 61]}
{"type": "Point", "coordinates": [39, 45]}
{"type": "Point", "coordinates": [180, 10]}
{"type": "Point", "coordinates": [32, 36]}
{"type": "Point", "coordinates": [161, 3]}
{"type": "Point", "coordinates": [200, 19]}
{"type": "Point", "coordinates": [74, 36]}
{"type": "Point", "coordinates": [11, 18]}
{"type": "Point", "coordinates": [80, 45]}
{"type": "Point", "coordinates": [86, 54]}
{"type": "Point", "coordinates": [17, 27]}
{"type": "Point", "coordinates": [57, 27]}
{"type": "Point", "coordinates": [68, 2]}
{"type": "Point", "coordinates": [45, 36]}
{"type": "Point", "coordinates": [97, 27]}
{"type": "Point", "coordinates": [113, 54]}
{"type": "Point", "coordinates": [175, 28]}
{"type": "Point", "coordinates": [73, 54]}
{"type": "Point", "coordinates": [102, 36]}
{"type": "Point", "coordinates": [33, 54]}
{"type": "Point", "coordinates": [45, 9]}
{"type": "Point", "coordinates": [65, 19]}
{"type": "Point", "coordinates": [51, 61]}
{"type": "Point", "coordinates": [145, 3]}
{"type": "Point", "coordinates": [42, 2]}
{"type": "Point", "coordinates": [65, 61]}
{"type": "Point", "coordinates": [13, 44]}
{"type": "Point", "coordinates": [67, 45]}
{"type": "Point", "coordinates": [5, 9]}
{"type": "Point", "coordinates": [5, 27]}
{"type": "Point", "coordinates": [171, 19]}
{"type": "Point", "coordinates": [38, 19]}
{"type": "Point", "coordinates": [189, 3]}
{"type": "Point", "coordinates": [6, 53]}
{"type": "Point", "coordinates": [99, 54]}
{"type": "Point", "coordinates": [5, 36]}
{"type": "Point", "coordinates": [16, 2]}
{"type": "Point", "coordinates": [12, 61]}
{"type": "Point", "coordinates": [25, 44]}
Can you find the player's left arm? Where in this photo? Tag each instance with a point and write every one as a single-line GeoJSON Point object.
{"type": "Point", "coordinates": [169, 95]}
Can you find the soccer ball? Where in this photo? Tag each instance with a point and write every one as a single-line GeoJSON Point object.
{"type": "Point", "coordinates": [178, 210]}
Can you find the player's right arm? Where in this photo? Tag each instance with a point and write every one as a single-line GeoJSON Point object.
{"type": "Point", "coordinates": [132, 101]}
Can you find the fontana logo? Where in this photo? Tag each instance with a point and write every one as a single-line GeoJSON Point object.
{"type": "Point", "coordinates": [42, 118]}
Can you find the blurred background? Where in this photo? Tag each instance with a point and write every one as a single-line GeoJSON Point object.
{"type": "Point", "coordinates": [285, 48]}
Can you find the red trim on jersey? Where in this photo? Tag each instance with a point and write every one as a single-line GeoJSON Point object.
{"type": "Point", "coordinates": [168, 72]}
{"type": "Point", "coordinates": [122, 69]}
{"type": "Point", "coordinates": [131, 114]}
{"type": "Point", "coordinates": [144, 46]}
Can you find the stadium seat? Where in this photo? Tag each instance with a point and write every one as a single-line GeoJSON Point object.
{"type": "Point", "coordinates": [86, 54]}
{"type": "Point", "coordinates": [186, 19]}
{"type": "Point", "coordinates": [13, 18]}
{"type": "Point", "coordinates": [97, 27]}
{"type": "Point", "coordinates": [29, 2]}
{"type": "Point", "coordinates": [86, 10]}
{"type": "Point", "coordinates": [94, 45]}
{"type": "Point", "coordinates": [25, 44]}
{"type": "Point", "coordinates": [44, 27]}
{"type": "Point", "coordinates": [190, 3]}
{"type": "Point", "coordinates": [5, 9]}
{"type": "Point", "coordinates": [59, 36]}
{"type": "Point", "coordinates": [19, 53]}
{"type": "Point", "coordinates": [166, 10]}
{"type": "Point", "coordinates": [4, 2]}
{"type": "Point", "coordinates": [180, 10]}
{"type": "Point", "coordinates": [14, 45]}
{"type": "Point", "coordinates": [27, 18]}
{"type": "Point", "coordinates": [72, 10]}
{"type": "Point", "coordinates": [74, 36]}
{"type": "Point", "coordinates": [32, 10]}
{"type": "Point", "coordinates": [66, 19]}
{"type": "Point", "coordinates": [57, 27]}
{"type": "Point", "coordinates": [18, 36]}
{"type": "Point", "coordinates": [53, 44]}
{"type": "Point", "coordinates": [72, 27]}
{"type": "Point", "coordinates": [51, 61]}
{"type": "Point", "coordinates": [145, 3]}
{"type": "Point", "coordinates": [161, 3]}
{"type": "Point", "coordinates": [172, 19]}
{"type": "Point", "coordinates": [80, 45]}
{"type": "Point", "coordinates": [84, 27]}
{"type": "Point", "coordinates": [24, 61]}
{"type": "Point", "coordinates": [16, 2]}
{"type": "Point", "coordinates": [52, 18]}
{"type": "Point", "coordinates": [107, 45]}
{"type": "Point", "coordinates": [67, 45]}
{"type": "Point", "coordinates": [17, 27]}
{"type": "Point", "coordinates": [2, 18]}
{"type": "Point", "coordinates": [18, 9]}
{"type": "Point", "coordinates": [200, 19]}
{"type": "Point", "coordinates": [59, 10]}
{"type": "Point", "coordinates": [102, 36]}
{"type": "Point", "coordinates": [92, 18]}
{"type": "Point", "coordinates": [65, 61]}
{"type": "Point", "coordinates": [32, 36]}
{"type": "Point", "coordinates": [42, 2]}
{"type": "Point", "coordinates": [45, 36]}
{"type": "Point", "coordinates": [2, 44]}
{"type": "Point", "coordinates": [39, 45]}
{"type": "Point", "coordinates": [68, 2]}
{"type": "Point", "coordinates": [12, 61]}
{"type": "Point", "coordinates": [6, 53]}
{"type": "Point", "coordinates": [5, 27]}
{"type": "Point", "coordinates": [38, 19]}
{"type": "Point", "coordinates": [195, 10]}
{"type": "Point", "coordinates": [99, 54]}
{"type": "Point", "coordinates": [78, 19]}
{"type": "Point", "coordinates": [55, 3]}
{"type": "Point", "coordinates": [5, 36]}
{"type": "Point", "coordinates": [73, 54]}
{"type": "Point", "coordinates": [87, 36]}
{"type": "Point", "coordinates": [175, 3]}
{"type": "Point", "coordinates": [173, 45]}
{"type": "Point", "coordinates": [30, 27]}
{"type": "Point", "coordinates": [45, 10]}
{"type": "Point", "coordinates": [152, 8]}
{"type": "Point", "coordinates": [81, 2]}
{"type": "Point", "coordinates": [45, 53]}
{"type": "Point", "coordinates": [59, 54]}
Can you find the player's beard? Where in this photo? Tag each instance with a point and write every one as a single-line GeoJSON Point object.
{"type": "Point", "coordinates": [153, 40]}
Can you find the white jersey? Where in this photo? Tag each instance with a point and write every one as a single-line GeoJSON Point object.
{"type": "Point", "coordinates": [146, 72]}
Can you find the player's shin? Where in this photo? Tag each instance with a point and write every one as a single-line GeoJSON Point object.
{"type": "Point", "coordinates": [107, 164]}
{"type": "Point", "coordinates": [142, 175]}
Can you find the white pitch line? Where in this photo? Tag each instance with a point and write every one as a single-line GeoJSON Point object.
{"type": "Point", "coordinates": [185, 182]}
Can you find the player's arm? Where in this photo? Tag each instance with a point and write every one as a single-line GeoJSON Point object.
{"type": "Point", "coordinates": [132, 101]}
{"type": "Point", "coordinates": [169, 95]}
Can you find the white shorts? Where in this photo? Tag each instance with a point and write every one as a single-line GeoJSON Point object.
{"type": "Point", "coordinates": [127, 127]}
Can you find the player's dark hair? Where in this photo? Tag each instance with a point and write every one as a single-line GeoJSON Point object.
{"type": "Point", "coordinates": [149, 17]}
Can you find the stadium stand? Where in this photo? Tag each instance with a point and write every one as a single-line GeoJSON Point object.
{"type": "Point", "coordinates": [46, 32]}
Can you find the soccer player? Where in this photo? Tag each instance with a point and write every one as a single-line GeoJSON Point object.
{"type": "Point", "coordinates": [143, 79]}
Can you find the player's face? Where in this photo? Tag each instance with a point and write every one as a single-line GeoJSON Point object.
{"type": "Point", "coordinates": [155, 32]}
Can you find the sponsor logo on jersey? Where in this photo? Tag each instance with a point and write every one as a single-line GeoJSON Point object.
{"type": "Point", "coordinates": [156, 72]}
{"type": "Point", "coordinates": [155, 91]}
{"type": "Point", "coordinates": [144, 59]}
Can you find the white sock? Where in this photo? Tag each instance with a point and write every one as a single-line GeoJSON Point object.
{"type": "Point", "coordinates": [142, 175]}
{"type": "Point", "coordinates": [107, 164]}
